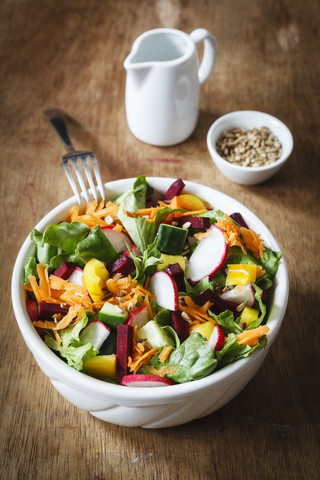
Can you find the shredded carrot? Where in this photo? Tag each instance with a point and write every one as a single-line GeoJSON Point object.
{"type": "Point", "coordinates": [74, 314]}
{"type": "Point", "coordinates": [165, 352]}
{"type": "Point", "coordinates": [147, 283]}
{"type": "Point", "coordinates": [162, 371]}
{"type": "Point", "coordinates": [231, 232]}
{"type": "Point", "coordinates": [242, 237]}
{"type": "Point", "coordinates": [48, 324]}
{"type": "Point", "coordinates": [184, 213]}
{"type": "Point", "coordinates": [150, 312]}
{"type": "Point", "coordinates": [251, 337]}
{"type": "Point", "coordinates": [57, 337]}
{"type": "Point", "coordinates": [196, 312]}
{"type": "Point", "coordinates": [201, 235]}
{"type": "Point", "coordinates": [111, 285]}
{"type": "Point", "coordinates": [59, 283]}
{"type": "Point", "coordinates": [260, 271]}
{"type": "Point", "coordinates": [142, 360]}
{"type": "Point", "coordinates": [35, 288]}
{"type": "Point", "coordinates": [118, 227]}
{"type": "Point", "coordinates": [94, 214]}
{"type": "Point", "coordinates": [147, 212]}
{"type": "Point", "coordinates": [252, 241]}
{"type": "Point", "coordinates": [205, 307]}
{"type": "Point", "coordinates": [73, 214]}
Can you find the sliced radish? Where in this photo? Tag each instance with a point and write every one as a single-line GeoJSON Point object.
{"type": "Point", "coordinates": [140, 380]}
{"type": "Point", "coordinates": [216, 340]}
{"type": "Point", "coordinates": [64, 270]}
{"type": "Point", "coordinates": [175, 189]}
{"type": "Point", "coordinates": [179, 325]}
{"type": "Point", "coordinates": [95, 333]}
{"type": "Point", "coordinates": [134, 249]}
{"type": "Point", "coordinates": [124, 265]}
{"type": "Point", "coordinates": [139, 317]}
{"type": "Point", "coordinates": [240, 294]}
{"type": "Point", "coordinates": [209, 256]}
{"type": "Point", "coordinates": [76, 276]}
{"type": "Point", "coordinates": [119, 240]}
{"type": "Point", "coordinates": [165, 290]}
{"type": "Point", "coordinates": [124, 350]}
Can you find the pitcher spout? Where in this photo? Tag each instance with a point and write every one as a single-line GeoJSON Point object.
{"type": "Point", "coordinates": [132, 62]}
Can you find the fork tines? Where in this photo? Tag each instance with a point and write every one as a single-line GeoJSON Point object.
{"type": "Point", "coordinates": [78, 160]}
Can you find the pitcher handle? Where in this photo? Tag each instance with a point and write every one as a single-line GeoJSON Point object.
{"type": "Point", "coordinates": [209, 54]}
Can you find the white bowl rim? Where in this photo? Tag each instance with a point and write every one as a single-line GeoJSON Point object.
{"type": "Point", "coordinates": [103, 389]}
{"type": "Point", "coordinates": [240, 168]}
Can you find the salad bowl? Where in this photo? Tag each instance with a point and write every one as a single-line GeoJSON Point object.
{"type": "Point", "coordinates": [150, 407]}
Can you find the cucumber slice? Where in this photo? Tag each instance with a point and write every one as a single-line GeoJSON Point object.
{"type": "Point", "coordinates": [112, 316]}
{"type": "Point", "coordinates": [153, 335]}
{"type": "Point", "coordinates": [171, 239]}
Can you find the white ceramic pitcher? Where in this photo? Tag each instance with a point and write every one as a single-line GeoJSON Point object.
{"type": "Point", "coordinates": [163, 84]}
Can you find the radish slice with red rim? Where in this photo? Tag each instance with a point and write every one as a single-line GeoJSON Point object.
{"type": "Point", "coordinates": [140, 380]}
{"type": "Point", "coordinates": [209, 256]}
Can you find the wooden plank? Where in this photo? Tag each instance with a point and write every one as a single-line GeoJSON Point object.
{"type": "Point", "coordinates": [70, 55]}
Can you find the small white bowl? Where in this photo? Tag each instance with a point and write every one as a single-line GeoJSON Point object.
{"type": "Point", "coordinates": [150, 407]}
{"type": "Point", "coordinates": [249, 119]}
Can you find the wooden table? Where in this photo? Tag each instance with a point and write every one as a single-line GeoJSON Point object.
{"type": "Point", "coordinates": [69, 54]}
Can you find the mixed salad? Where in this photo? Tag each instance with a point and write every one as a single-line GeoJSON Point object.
{"type": "Point", "coordinates": [150, 289]}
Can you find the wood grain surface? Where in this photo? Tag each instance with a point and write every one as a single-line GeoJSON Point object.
{"type": "Point", "coordinates": [69, 54]}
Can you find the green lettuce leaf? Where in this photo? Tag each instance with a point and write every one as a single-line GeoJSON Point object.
{"type": "Point", "coordinates": [226, 321]}
{"type": "Point", "coordinates": [96, 245]}
{"type": "Point", "coordinates": [58, 243]}
{"type": "Point", "coordinates": [232, 351]}
{"type": "Point", "coordinates": [135, 198]}
{"type": "Point", "coordinates": [64, 235]}
{"type": "Point", "coordinates": [147, 264]}
{"type": "Point", "coordinates": [140, 230]}
{"type": "Point", "coordinates": [56, 261]}
{"type": "Point", "coordinates": [193, 360]}
{"type": "Point", "coordinates": [194, 290]}
{"type": "Point", "coordinates": [262, 307]}
{"type": "Point", "coordinates": [212, 214]}
{"type": "Point", "coordinates": [71, 348]}
{"type": "Point", "coordinates": [162, 318]}
{"type": "Point", "coordinates": [219, 279]}
{"type": "Point", "coordinates": [46, 253]}
{"type": "Point", "coordinates": [270, 261]}
{"type": "Point", "coordinates": [235, 255]}
{"type": "Point", "coordinates": [30, 269]}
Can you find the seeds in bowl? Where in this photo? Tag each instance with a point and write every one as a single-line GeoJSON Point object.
{"type": "Point", "coordinates": [249, 148]}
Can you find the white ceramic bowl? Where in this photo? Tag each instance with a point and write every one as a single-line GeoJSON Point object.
{"type": "Point", "coordinates": [149, 407]}
{"type": "Point", "coordinates": [249, 119]}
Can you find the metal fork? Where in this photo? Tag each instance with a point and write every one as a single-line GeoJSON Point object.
{"type": "Point", "coordinates": [76, 159]}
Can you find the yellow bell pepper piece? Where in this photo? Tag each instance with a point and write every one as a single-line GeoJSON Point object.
{"type": "Point", "coordinates": [187, 202]}
{"type": "Point", "coordinates": [170, 259]}
{"type": "Point", "coordinates": [101, 366]}
{"type": "Point", "coordinates": [205, 329]}
{"type": "Point", "coordinates": [95, 276]}
{"type": "Point", "coordinates": [248, 315]}
{"type": "Point", "coordinates": [241, 274]}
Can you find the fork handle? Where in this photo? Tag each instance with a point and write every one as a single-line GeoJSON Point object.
{"type": "Point", "coordinates": [57, 120]}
